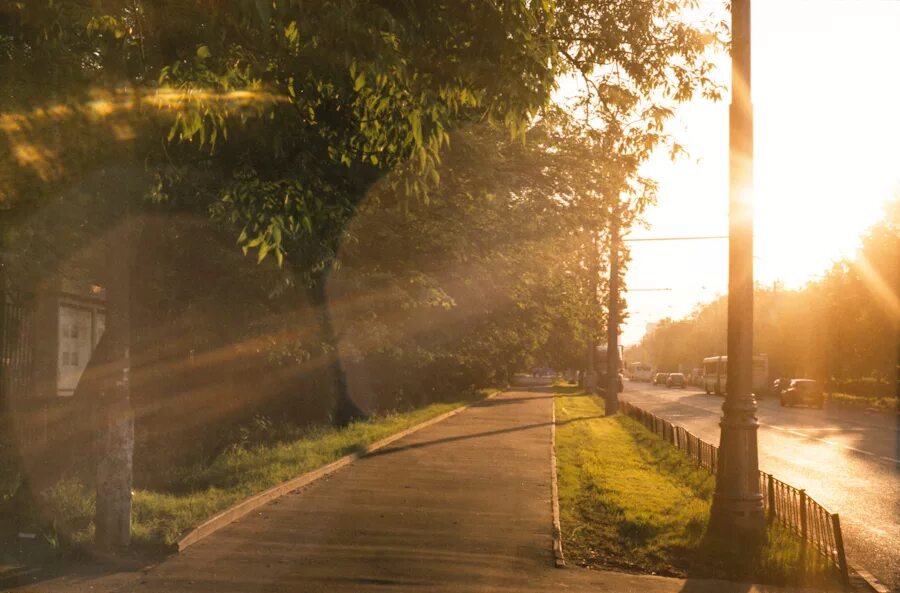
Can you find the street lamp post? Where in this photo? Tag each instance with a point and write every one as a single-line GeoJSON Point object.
{"type": "Point", "coordinates": [737, 508]}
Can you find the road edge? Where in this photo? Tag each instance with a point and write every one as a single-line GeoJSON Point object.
{"type": "Point", "coordinates": [869, 581]}
{"type": "Point", "coordinates": [559, 558]}
{"type": "Point", "coordinates": [248, 505]}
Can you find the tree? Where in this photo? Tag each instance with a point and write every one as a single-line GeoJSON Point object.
{"type": "Point", "coordinates": [279, 119]}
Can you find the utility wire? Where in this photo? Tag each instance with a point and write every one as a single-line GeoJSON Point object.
{"type": "Point", "coordinates": [698, 238]}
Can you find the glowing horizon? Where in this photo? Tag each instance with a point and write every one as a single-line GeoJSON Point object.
{"type": "Point", "coordinates": [826, 157]}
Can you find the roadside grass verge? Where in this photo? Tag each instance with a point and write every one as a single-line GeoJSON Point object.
{"type": "Point", "coordinates": [884, 404]}
{"type": "Point", "coordinates": [629, 501]}
{"type": "Point", "coordinates": [160, 518]}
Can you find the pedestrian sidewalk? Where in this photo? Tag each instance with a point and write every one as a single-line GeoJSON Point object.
{"type": "Point", "coordinates": [461, 506]}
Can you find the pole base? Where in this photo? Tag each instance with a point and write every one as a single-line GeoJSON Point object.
{"type": "Point", "coordinates": [738, 518]}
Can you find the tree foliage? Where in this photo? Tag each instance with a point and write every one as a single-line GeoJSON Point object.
{"type": "Point", "coordinates": [402, 165]}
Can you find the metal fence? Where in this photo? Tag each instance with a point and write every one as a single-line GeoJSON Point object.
{"type": "Point", "coordinates": [811, 522]}
{"type": "Point", "coordinates": [16, 336]}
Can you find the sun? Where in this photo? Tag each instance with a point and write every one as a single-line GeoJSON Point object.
{"type": "Point", "coordinates": [826, 153]}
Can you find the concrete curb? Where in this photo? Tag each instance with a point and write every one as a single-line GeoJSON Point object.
{"type": "Point", "coordinates": [246, 506]}
{"type": "Point", "coordinates": [558, 558]}
{"type": "Point", "coordinates": [870, 581]}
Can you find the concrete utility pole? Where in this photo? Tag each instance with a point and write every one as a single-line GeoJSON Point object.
{"type": "Point", "coordinates": [115, 438]}
{"type": "Point", "coordinates": [612, 322]}
{"type": "Point", "coordinates": [737, 509]}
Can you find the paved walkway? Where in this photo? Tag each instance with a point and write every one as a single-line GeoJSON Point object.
{"type": "Point", "coordinates": [461, 506]}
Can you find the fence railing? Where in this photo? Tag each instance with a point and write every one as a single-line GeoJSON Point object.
{"type": "Point", "coordinates": [811, 522]}
{"type": "Point", "coordinates": [16, 334]}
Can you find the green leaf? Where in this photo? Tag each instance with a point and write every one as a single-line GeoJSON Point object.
{"type": "Point", "coordinates": [263, 251]}
{"type": "Point", "coordinates": [415, 120]}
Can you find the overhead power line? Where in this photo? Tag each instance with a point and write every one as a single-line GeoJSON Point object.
{"type": "Point", "coordinates": [697, 238]}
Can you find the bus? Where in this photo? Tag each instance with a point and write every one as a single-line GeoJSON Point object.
{"type": "Point", "coordinates": [715, 374]}
{"type": "Point", "coordinates": [639, 371]}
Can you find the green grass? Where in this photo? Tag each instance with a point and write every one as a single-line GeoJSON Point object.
{"type": "Point", "coordinates": [629, 501]}
{"type": "Point", "coordinates": [160, 518]}
{"type": "Point", "coordinates": [862, 401]}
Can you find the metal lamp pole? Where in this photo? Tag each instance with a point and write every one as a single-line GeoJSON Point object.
{"type": "Point", "coordinates": [737, 508]}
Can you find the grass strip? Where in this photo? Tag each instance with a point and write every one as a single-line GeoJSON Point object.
{"type": "Point", "coordinates": [160, 518]}
{"type": "Point", "coordinates": [629, 501]}
{"type": "Point", "coordinates": [885, 404]}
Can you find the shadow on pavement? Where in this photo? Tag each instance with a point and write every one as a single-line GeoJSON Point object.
{"type": "Point", "coordinates": [715, 586]}
{"type": "Point", "coordinates": [476, 435]}
{"type": "Point", "coordinates": [78, 569]}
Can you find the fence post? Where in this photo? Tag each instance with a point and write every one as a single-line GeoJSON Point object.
{"type": "Point", "coordinates": [804, 528]}
{"type": "Point", "coordinates": [839, 544]}
{"type": "Point", "coordinates": [770, 493]}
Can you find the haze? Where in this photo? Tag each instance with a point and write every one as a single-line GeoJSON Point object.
{"type": "Point", "coordinates": [826, 78]}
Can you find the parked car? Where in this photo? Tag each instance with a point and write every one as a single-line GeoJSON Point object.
{"type": "Point", "coordinates": [676, 380]}
{"type": "Point", "coordinates": [660, 378]}
{"type": "Point", "coordinates": [803, 392]}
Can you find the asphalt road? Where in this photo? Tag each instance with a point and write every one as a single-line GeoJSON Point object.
{"type": "Point", "coordinates": [846, 459]}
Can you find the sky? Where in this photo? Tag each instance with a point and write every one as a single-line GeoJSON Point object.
{"type": "Point", "coordinates": [826, 96]}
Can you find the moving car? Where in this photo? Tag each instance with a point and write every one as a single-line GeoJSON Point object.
{"type": "Point", "coordinates": [676, 380]}
{"type": "Point", "coordinates": [660, 378]}
{"type": "Point", "coordinates": [803, 392]}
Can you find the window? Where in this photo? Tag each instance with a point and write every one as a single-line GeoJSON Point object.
{"type": "Point", "coordinates": [78, 329]}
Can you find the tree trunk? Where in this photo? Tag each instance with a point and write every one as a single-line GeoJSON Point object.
{"type": "Point", "coordinates": [590, 375]}
{"type": "Point", "coordinates": [345, 409]}
{"type": "Point", "coordinates": [115, 422]}
{"type": "Point", "coordinates": [612, 323]}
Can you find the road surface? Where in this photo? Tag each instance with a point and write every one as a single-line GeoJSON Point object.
{"type": "Point", "coordinates": [846, 459]}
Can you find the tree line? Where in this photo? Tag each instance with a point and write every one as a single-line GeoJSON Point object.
{"type": "Point", "coordinates": [841, 329]}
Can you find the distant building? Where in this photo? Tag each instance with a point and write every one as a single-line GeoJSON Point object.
{"type": "Point", "coordinates": [48, 333]}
